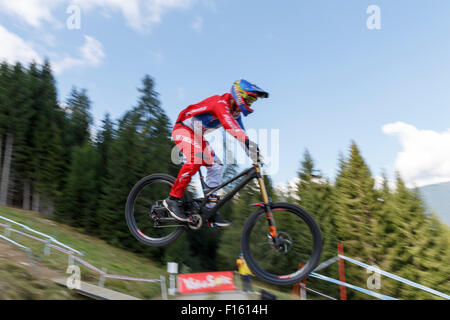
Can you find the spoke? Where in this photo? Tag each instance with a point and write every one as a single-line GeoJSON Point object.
{"type": "Point", "coordinates": [144, 202]}
{"type": "Point", "coordinates": [171, 226]}
{"type": "Point", "coordinates": [297, 246]}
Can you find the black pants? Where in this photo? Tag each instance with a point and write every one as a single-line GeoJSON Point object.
{"type": "Point", "coordinates": [247, 283]}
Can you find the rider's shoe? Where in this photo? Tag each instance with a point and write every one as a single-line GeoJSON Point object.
{"type": "Point", "coordinates": [218, 221]}
{"type": "Point", "coordinates": [174, 206]}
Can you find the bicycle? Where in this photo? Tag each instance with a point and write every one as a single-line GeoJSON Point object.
{"type": "Point", "coordinates": [275, 238]}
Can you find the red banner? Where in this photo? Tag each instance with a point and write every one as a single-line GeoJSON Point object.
{"type": "Point", "coordinates": [205, 282]}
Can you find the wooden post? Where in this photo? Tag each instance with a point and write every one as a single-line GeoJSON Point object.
{"type": "Point", "coordinates": [299, 288]}
{"type": "Point", "coordinates": [343, 291]}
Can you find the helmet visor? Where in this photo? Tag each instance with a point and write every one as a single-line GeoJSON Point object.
{"type": "Point", "coordinates": [250, 99]}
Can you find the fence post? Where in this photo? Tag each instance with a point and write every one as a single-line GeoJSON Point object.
{"type": "Point", "coordinates": [299, 289]}
{"type": "Point", "coordinates": [302, 291]}
{"type": "Point", "coordinates": [47, 248]}
{"type": "Point", "coordinates": [172, 269]}
{"type": "Point", "coordinates": [33, 264]}
{"type": "Point", "coordinates": [70, 260]}
{"type": "Point", "coordinates": [101, 281]}
{"type": "Point", "coordinates": [8, 230]}
{"type": "Point", "coordinates": [163, 287]}
{"type": "Point", "coordinates": [340, 248]}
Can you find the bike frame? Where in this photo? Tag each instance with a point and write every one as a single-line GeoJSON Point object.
{"type": "Point", "coordinates": [251, 173]}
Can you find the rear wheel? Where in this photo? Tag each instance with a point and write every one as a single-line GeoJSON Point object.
{"type": "Point", "coordinates": [296, 252]}
{"type": "Point", "coordinates": [147, 219]}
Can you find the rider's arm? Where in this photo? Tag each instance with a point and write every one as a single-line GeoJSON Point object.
{"type": "Point", "coordinates": [221, 112]}
{"type": "Point", "coordinates": [241, 124]}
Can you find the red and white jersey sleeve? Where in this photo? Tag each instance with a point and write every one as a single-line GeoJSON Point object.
{"type": "Point", "coordinates": [213, 110]}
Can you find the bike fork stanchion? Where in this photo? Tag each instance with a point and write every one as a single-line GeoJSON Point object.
{"type": "Point", "coordinates": [266, 201]}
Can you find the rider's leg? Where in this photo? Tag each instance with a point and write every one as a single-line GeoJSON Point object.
{"type": "Point", "coordinates": [214, 179]}
{"type": "Point", "coordinates": [184, 178]}
{"type": "Point", "coordinates": [197, 153]}
{"type": "Point", "coordinates": [214, 174]}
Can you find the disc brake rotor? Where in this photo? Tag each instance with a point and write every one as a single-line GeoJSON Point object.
{"type": "Point", "coordinates": [284, 243]}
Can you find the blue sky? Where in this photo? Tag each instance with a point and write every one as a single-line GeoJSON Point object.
{"type": "Point", "coordinates": [331, 79]}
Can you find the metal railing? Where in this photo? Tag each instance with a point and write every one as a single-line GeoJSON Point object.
{"type": "Point", "coordinates": [73, 255]}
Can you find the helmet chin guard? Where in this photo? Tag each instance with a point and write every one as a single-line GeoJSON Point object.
{"type": "Point", "coordinates": [245, 93]}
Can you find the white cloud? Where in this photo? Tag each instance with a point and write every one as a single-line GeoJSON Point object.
{"type": "Point", "coordinates": [14, 49]}
{"type": "Point", "coordinates": [91, 54]}
{"type": "Point", "coordinates": [425, 158]}
{"type": "Point", "coordinates": [92, 51]}
{"type": "Point", "coordinates": [139, 14]}
{"type": "Point", "coordinates": [197, 25]}
{"type": "Point", "coordinates": [33, 12]}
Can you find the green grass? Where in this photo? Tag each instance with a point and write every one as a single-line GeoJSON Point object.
{"type": "Point", "coordinates": [18, 282]}
{"type": "Point", "coordinates": [96, 252]}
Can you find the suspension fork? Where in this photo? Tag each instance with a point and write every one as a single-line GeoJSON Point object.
{"type": "Point", "coordinates": [266, 203]}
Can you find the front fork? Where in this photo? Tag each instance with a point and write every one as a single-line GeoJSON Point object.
{"type": "Point", "coordinates": [266, 204]}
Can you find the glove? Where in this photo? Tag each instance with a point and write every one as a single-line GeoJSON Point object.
{"type": "Point", "coordinates": [252, 150]}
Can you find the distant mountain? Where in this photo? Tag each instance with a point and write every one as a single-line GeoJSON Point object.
{"type": "Point", "coordinates": [437, 198]}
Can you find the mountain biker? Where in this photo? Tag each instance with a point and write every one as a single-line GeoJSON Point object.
{"type": "Point", "coordinates": [188, 134]}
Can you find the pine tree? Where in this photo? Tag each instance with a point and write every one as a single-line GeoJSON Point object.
{"type": "Point", "coordinates": [16, 113]}
{"type": "Point", "coordinates": [78, 202]}
{"type": "Point", "coordinates": [357, 211]}
{"type": "Point", "coordinates": [79, 118]}
{"type": "Point", "coordinates": [386, 225]}
{"type": "Point", "coordinates": [104, 139]}
{"type": "Point", "coordinates": [49, 161]}
{"type": "Point", "coordinates": [408, 253]}
{"type": "Point", "coordinates": [142, 133]}
{"type": "Point", "coordinates": [316, 197]}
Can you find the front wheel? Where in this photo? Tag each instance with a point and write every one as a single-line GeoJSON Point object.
{"type": "Point", "coordinates": [294, 254]}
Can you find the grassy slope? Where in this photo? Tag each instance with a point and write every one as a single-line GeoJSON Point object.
{"type": "Point", "coordinates": [18, 283]}
{"type": "Point", "coordinates": [97, 252]}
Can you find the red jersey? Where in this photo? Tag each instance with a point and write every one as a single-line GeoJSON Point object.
{"type": "Point", "coordinates": [212, 113]}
